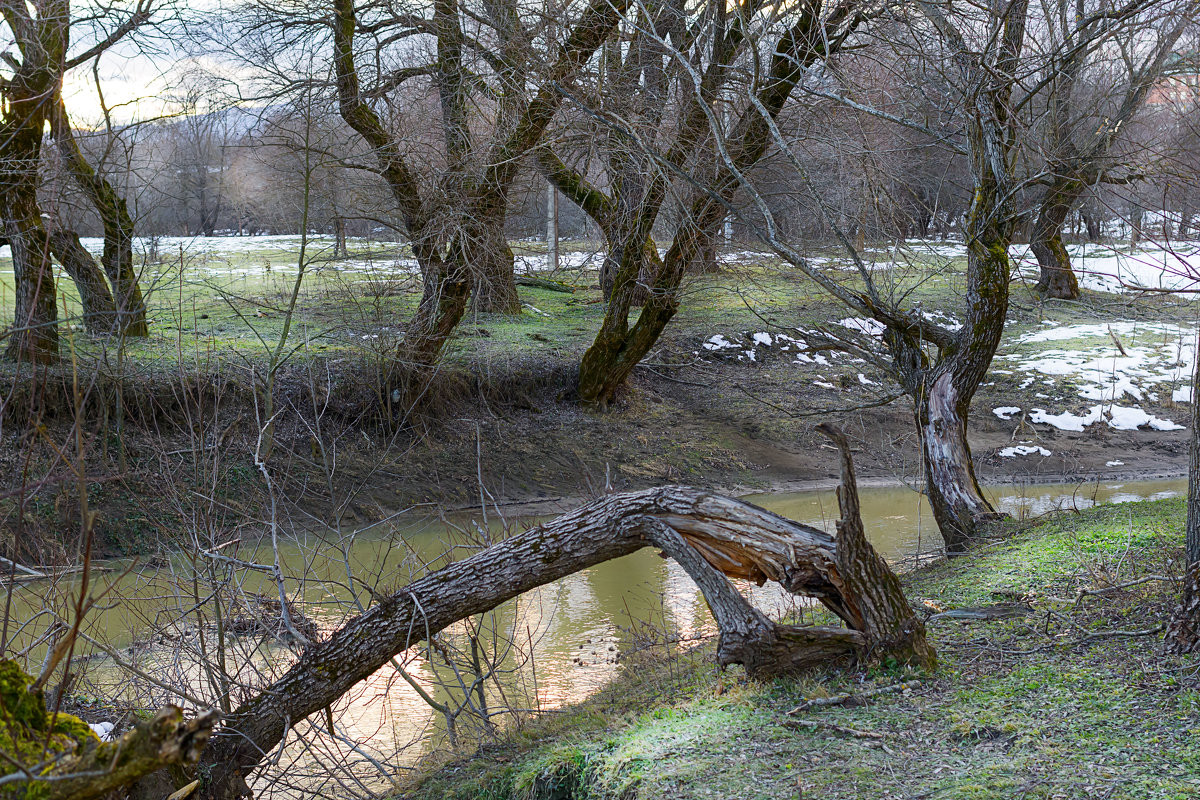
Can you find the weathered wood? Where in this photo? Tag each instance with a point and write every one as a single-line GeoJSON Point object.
{"type": "Point", "coordinates": [710, 535]}
{"type": "Point", "coordinates": [166, 739]}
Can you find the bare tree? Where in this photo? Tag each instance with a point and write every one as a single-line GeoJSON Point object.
{"type": "Point", "coordinates": [1099, 78]}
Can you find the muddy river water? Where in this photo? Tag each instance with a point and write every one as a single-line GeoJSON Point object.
{"type": "Point", "coordinates": [154, 635]}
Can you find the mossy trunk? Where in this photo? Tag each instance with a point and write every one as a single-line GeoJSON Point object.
{"type": "Point", "coordinates": [1056, 279]}
{"type": "Point", "coordinates": [99, 309]}
{"type": "Point", "coordinates": [117, 257]}
{"type": "Point", "coordinates": [34, 336]}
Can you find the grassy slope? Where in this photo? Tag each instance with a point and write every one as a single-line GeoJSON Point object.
{"type": "Point", "coordinates": [1025, 708]}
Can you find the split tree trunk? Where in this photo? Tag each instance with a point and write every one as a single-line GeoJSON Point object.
{"type": "Point", "coordinates": [953, 490]}
{"type": "Point", "coordinates": [1057, 279]}
{"type": "Point", "coordinates": [117, 257]}
{"type": "Point", "coordinates": [711, 536]}
{"type": "Point", "coordinates": [99, 309]}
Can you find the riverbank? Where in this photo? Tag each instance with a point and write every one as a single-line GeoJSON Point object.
{"type": "Point", "coordinates": [1071, 700]}
{"type": "Point", "coordinates": [1093, 390]}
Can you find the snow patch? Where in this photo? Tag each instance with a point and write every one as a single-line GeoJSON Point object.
{"type": "Point", "coordinates": [1114, 463]}
{"type": "Point", "coordinates": [871, 327]}
{"type": "Point", "coordinates": [718, 342]}
{"type": "Point", "coordinates": [1023, 450]}
{"type": "Point", "coordinates": [1006, 412]}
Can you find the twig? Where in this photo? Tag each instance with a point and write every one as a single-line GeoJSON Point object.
{"type": "Point", "coordinates": [852, 697]}
{"type": "Point", "coordinates": [817, 723]}
{"type": "Point", "coordinates": [1082, 593]}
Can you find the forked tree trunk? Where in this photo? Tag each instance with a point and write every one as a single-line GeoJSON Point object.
{"type": "Point", "coordinates": [1056, 279]}
{"type": "Point", "coordinates": [953, 490]}
{"type": "Point", "coordinates": [489, 260]}
{"type": "Point", "coordinates": [709, 535]}
{"type": "Point", "coordinates": [117, 257]}
{"type": "Point", "coordinates": [99, 308]}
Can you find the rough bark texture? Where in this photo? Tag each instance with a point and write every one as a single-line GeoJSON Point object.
{"type": "Point", "coordinates": [99, 308]}
{"type": "Point", "coordinates": [957, 502]}
{"type": "Point", "coordinates": [1183, 630]}
{"type": "Point", "coordinates": [117, 256]}
{"type": "Point", "coordinates": [164, 740]}
{"type": "Point", "coordinates": [42, 45]}
{"type": "Point", "coordinates": [1056, 278]}
{"type": "Point", "coordinates": [710, 535]}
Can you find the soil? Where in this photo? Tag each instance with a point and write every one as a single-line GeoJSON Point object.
{"type": "Point", "coordinates": [508, 431]}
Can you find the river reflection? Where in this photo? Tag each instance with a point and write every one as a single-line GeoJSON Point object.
{"type": "Point", "coordinates": [551, 647]}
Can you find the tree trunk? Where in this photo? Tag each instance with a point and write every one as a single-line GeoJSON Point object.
{"type": "Point", "coordinates": [1091, 221]}
{"type": "Point", "coordinates": [117, 257]}
{"type": "Point", "coordinates": [1183, 630]}
{"type": "Point", "coordinates": [99, 308]}
{"type": "Point", "coordinates": [1057, 279]}
{"type": "Point", "coordinates": [34, 336]}
{"type": "Point", "coordinates": [490, 261]}
{"type": "Point", "coordinates": [708, 534]}
{"type": "Point", "coordinates": [951, 486]}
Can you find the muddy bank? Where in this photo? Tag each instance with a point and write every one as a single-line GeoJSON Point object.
{"type": "Point", "coordinates": [183, 465]}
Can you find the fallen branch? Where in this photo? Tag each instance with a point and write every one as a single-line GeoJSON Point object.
{"type": "Point", "coordinates": [985, 613]}
{"type": "Point", "coordinates": [818, 723]}
{"type": "Point", "coordinates": [544, 283]}
{"type": "Point", "coordinates": [852, 698]}
{"type": "Point", "coordinates": [1087, 592]}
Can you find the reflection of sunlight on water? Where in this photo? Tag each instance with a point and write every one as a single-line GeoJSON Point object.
{"type": "Point", "coordinates": [553, 647]}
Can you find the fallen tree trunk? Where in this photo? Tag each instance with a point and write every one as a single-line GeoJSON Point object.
{"type": "Point", "coordinates": [711, 536]}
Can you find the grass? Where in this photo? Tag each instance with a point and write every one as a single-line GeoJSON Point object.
{"type": "Point", "coordinates": [1025, 708]}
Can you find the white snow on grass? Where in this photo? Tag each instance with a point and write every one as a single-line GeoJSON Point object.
{"type": "Point", "coordinates": [104, 730]}
{"type": "Point", "coordinates": [718, 342]}
{"type": "Point", "coordinates": [871, 327]}
{"type": "Point", "coordinates": [1023, 450]}
{"type": "Point", "coordinates": [1182, 395]}
{"type": "Point", "coordinates": [1110, 362]}
{"type": "Point", "coordinates": [1117, 270]}
{"type": "Point", "coordinates": [1114, 463]}
{"type": "Point", "coordinates": [1122, 418]}
{"type": "Point", "coordinates": [1006, 412]}
{"type": "Point", "coordinates": [763, 338]}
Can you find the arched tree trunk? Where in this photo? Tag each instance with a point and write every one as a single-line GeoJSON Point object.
{"type": "Point", "coordinates": [711, 536]}
{"type": "Point", "coordinates": [1056, 279]}
{"type": "Point", "coordinates": [99, 308]}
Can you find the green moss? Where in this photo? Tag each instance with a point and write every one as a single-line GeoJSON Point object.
{"type": "Point", "coordinates": [29, 734]}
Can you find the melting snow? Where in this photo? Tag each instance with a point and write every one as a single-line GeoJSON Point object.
{"type": "Point", "coordinates": [1023, 450]}
{"type": "Point", "coordinates": [1114, 463]}
{"type": "Point", "coordinates": [871, 327]}
{"type": "Point", "coordinates": [1006, 412]}
{"type": "Point", "coordinates": [718, 342]}
{"type": "Point", "coordinates": [1104, 268]}
{"type": "Point", "coordinates": [763, 338]}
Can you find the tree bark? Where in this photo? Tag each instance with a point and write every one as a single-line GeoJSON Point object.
{"type": "Point", "coordinates": [1183, 630]}
{"type": "Point", "coordinates": [117, 257]}
{"type": "Point", "coordinates": [1056, 279]}
{"type": "Point", "coordinates": [951, 487]}
{"type": "Point", "coordinates": [99, 309]}
{"type": "Point", "coordinates": [619, 346]}
{"type": "Point", "coordinates": [708, 534]}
